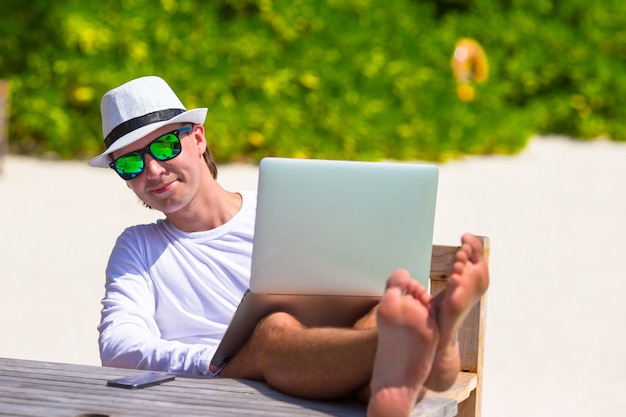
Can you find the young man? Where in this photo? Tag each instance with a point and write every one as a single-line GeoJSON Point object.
{"type": "Point", "coordinates": [172, 286]}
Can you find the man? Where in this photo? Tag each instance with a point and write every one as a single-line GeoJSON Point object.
{"type": "Point", "coordinates": [172, 286]}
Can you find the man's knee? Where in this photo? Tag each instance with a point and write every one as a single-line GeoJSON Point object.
{"type": "Point", "coordinates": [276, 325]}
{"type": "Point", "coordinates": [256, 357]}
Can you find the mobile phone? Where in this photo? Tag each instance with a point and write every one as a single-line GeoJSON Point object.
{"type": "Point", "coordinates": [147, 379]}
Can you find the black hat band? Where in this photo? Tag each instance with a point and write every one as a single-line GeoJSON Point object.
{"type": "Point", "coordinates": [141, 121]}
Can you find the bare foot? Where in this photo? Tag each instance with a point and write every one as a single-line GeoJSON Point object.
{"type": "Point", "coordinates": [407, 340]}
{"type": "Point", "coordinates": [467, 283]}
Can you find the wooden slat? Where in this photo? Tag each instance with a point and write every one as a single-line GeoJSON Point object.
{"type": "Point", "coordinates": [461, 390]}
{"type": "Point", "coordinates": [441, 262]}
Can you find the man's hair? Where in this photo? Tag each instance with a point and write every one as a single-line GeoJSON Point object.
{"type": "Point", "coordinates": [208, 158]}
{"type": "Point", "coordinates": [210, 162]}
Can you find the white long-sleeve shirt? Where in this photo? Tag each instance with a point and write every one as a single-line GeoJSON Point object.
{"type": "Point", "coordinates": [170, 294]}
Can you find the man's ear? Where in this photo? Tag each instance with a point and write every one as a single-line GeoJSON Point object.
{"type": "Point", "coordinates": [198, 134]}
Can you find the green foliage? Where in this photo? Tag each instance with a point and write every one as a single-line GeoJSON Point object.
{"type": "Point", "coordinates": [341, 79]}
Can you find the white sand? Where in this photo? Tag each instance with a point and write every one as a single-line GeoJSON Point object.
{"type": "Point", "coordinates": [556, 216]}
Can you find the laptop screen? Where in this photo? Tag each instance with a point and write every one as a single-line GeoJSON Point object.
{"type": "Point", "coordinates": [341, 227]}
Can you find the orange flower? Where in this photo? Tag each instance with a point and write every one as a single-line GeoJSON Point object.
{"type": "Point", "coordinates": [469, 65]}
{"type": "Point", "coordinates": [469, 62]}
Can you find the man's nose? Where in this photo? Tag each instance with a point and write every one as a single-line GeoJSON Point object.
{"type": "Point", "coordinates": [153, 166]}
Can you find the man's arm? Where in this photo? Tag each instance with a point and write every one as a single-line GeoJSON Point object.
{"type": "Point", "coordinates": [130, 336]}
{"type": "Point", "coordinates": [129, 345]}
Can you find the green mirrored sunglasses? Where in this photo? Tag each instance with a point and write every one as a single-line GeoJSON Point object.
{"type": "Point", "coordinates": [163, 148]}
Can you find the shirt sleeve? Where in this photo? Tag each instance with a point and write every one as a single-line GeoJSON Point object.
{"type": "Point", "coordinates": [129, 335]}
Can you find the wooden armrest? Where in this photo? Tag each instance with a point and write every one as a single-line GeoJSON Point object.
{"type": "Point", "coordinates": [461, 390]}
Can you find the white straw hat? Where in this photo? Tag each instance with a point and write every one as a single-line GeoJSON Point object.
{"type": "Point", "coordinates": [136, 109]}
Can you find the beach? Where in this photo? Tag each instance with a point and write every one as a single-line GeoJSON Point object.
{"type": "Point", "coordinates": [555, 214]}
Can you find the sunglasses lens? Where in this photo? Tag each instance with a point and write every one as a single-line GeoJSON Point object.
{"type": "Point", "coordinates": [166, 147]}
{"type": "Point", "coordinates": [129, 166]}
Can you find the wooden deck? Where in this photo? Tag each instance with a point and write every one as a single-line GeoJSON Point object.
{"type": "Point", "coordinates": [32, 388]}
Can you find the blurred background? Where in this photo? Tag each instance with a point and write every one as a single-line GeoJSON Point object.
{"type": "Point", "coordinates": [521, 103]}
{"type": "Point", "coordinates": [354, 79]}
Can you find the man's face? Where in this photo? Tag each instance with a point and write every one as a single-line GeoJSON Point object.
{"type": "Point", "coordinates": [169, 186]}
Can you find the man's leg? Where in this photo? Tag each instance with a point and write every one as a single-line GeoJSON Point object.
{"type": "Point", "coordinates": [407, 340]}
{"type": "Point", "coordinates": [467, 283]}
{"type": "Point", "coordinates": [415, 351]}
{"type": "Point", "coordinates": [327, 363]}
{"type": "Point", "coordinates": [318, 363]}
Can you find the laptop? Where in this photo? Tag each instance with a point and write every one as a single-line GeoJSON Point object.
{"type": "Point", "coordinates": [327, 236]}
